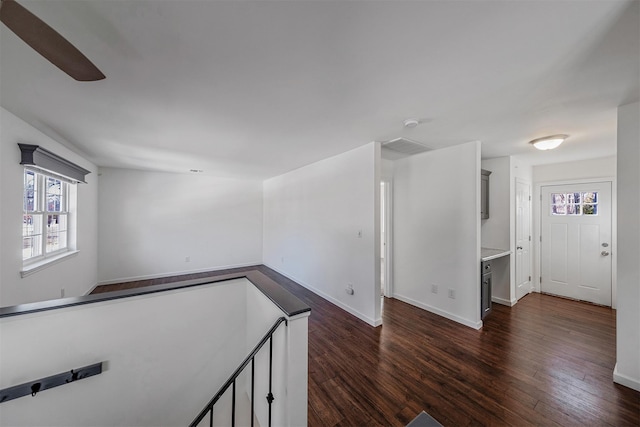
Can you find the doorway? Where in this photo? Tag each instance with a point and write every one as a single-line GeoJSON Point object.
{"type": "Point", "coordinates": [523, 238]}
{"type": "Point", "coordinates": [576, 241]}
{"type": "Point", "coordinates": [385, 239]}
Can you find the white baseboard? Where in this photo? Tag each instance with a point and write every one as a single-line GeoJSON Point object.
{"type": "Point", "coordinates": [502, 301]}
{"type": "Point", "coordinates": [624, 380]}
{"type": "Point", "coordinates": [439, 312]}
{"type": "Point", "coordinates": [174, 273]}
{"type": "Point", "coordinates": [350, 310]}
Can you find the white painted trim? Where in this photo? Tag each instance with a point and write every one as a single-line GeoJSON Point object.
{"type": "Point", "coordinates": [478, 322]}
{"type": "Point", "coordinates": [350, 310]}
{"type": "Point", "coordinates": [443, 313]}
{"type": "Point", "coordinates": [513, 270]}
{"type": "Point", "coordinates": [46, 262]}
{"type": "Point", "coordinates": [388, 226]}
{"type": "Point", "coordinates": [614, 243]}
{"type": "Point", "coordinates": [503, 301]}
{"type": "Point", "coordinates": [624, 380]}
{"type": "Point", "coordinates": [377, 241]}
{"type": "Point", "coordinates": [175, 273]}
{"type": "Point", "coordinates": [537, 229]}
{"type": "Point", "coordinates": [536, 232]}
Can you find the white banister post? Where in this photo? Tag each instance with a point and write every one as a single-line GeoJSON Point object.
{"type": "Point", "coordinates": [297, 369]}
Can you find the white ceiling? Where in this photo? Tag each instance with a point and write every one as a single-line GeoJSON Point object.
{"type": "Point", "coordinates": [255, 89]}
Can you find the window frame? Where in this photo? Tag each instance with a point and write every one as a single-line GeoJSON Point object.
{"type": "Point", "coordinates": [40, 210]}
{"type": "Point", "coordinates": [574, 204]}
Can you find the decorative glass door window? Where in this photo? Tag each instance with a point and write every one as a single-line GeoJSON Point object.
{"type": "Point", "coordinates": [45, 215]}
{"type": "Point", "coordinates": [584, 203]}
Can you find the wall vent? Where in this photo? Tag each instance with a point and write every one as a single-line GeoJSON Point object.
{"type": "Point", "coordinates": [403, 147]}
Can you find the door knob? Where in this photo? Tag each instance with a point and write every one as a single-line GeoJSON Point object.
{"type": "Point", "coordinates": [604, 245]}
{"type": "Point", "coordinates": [519, 247]}
{"type": "Point", "coordinates": [604, 253]}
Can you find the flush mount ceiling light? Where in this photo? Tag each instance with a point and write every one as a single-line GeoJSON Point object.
{"type": "Point", "coordinates": [549, 142]}
{"type": "Point", "coordinates": [411, 123]}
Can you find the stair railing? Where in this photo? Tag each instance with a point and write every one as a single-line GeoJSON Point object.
{"type": "Point", "coordinates": [231, 382]}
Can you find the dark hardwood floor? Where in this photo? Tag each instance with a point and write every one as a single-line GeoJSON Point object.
{"type": "Point", "coordinates": [546, 361]}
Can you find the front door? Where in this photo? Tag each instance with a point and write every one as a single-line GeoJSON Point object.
{"type": "Point", "coordinates": [523, 239]}
{"type": "Point", "coordinates": [576, 241]}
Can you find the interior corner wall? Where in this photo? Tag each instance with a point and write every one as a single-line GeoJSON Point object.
{"type": "Point", "coordinates": [496, 230]}
{"type": "Point", "coordinates": [76, 274]}
{"type": "Point", "coordinates": [320, 229]}
{"type": "Point", "coordinates": [154, 224]}
{"type": "Point", "coordinates": [386, 170]}
{"type": "Point", "coordinates": [627, 370]}
{"type": "Point", "coordinates": [436, 223]}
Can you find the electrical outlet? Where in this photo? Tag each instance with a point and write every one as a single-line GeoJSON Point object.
{"type": "Point", "coordinates": [452, 293]}
{"type": "Point", "coordinates": [187, 259]}
{"type": "Point", "coordinates": [359, 234]}
{"type": "Point", "coordinates": [434, 289]}
{"type": "Point", "coordinates": [282, 260]}
{"type": "Point", "coordinates": [61, 292]}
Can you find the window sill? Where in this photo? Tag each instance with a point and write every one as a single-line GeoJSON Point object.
{"type": "Point", "coordinates": [47, 262]}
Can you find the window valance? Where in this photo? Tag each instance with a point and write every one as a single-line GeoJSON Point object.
{"type": "Point", "coordinates": [34, 155]}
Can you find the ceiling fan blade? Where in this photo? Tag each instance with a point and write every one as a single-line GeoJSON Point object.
{"type": "Point", "coordinates": [47, 42]}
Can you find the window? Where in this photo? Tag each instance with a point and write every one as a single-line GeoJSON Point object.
{"type": "Point", "coordinates": [45, 220]}
{"type": "Point", "coordinates": [574, 204]}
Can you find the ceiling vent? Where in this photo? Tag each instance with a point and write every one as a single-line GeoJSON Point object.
{"type": "Point", "coordinates": [402, 147]}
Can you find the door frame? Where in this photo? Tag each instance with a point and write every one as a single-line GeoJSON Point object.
{"type": "Point", "coordinates": [388, 234]}
{"type": "Point", "coordinates": [514, 296]}
{"type": "Point", "coordinates": [536, 268]}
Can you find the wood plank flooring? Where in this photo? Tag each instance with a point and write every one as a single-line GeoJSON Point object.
{"type": "Point", "coordinates": [546, 361]}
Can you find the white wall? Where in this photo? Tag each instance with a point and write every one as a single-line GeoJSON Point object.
{"type": "Point", "coordinates": [627, 371]}
{"type": "Point", "coordinates": [165, 357]}
{"type": "Point", "coordinates": [437, 231]}
{"type": "Point", "coordinates": [582, 169]}
{"type": "Point", "coordinates": [76, 274]}
{"type": "Point", "coordinates": [495, 229]}
{"type": "Point", "coordinates": [521, 168]}
{"type": "Point", "coordinates": [2, 197]}
{"type": "Point", "coordinates": [155, 348]}
{"type": "Point", "coordinates": [386, 169]}
{"type": "Point", "coordinates": [150, 222]}
{"type": "Point", "coordinates": [312, 217]}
